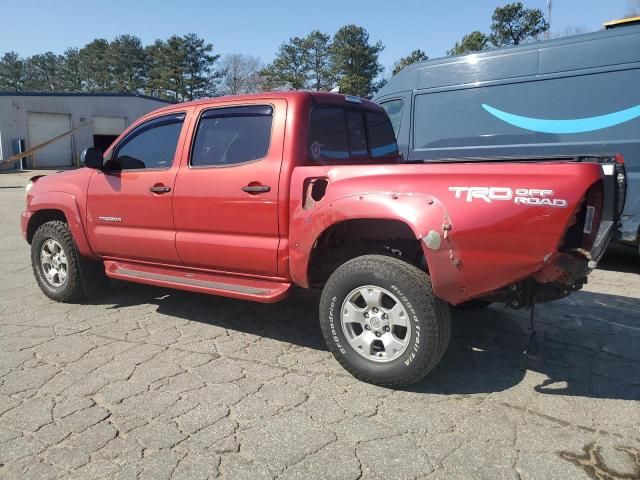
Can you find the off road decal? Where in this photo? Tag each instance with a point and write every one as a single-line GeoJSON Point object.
{"type": "Point", "coordinates": [521, 196]}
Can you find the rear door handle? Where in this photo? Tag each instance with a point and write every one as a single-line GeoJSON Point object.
{"type": "Point", "coordinates": [159, 189]}
{"type": "Point", "coordinates": [256, 188]}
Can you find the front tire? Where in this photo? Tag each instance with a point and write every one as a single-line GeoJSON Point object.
{"type": "Point", "coordinates": [382, 322]}
{"type": "Point", "coordinates": [55, 262]}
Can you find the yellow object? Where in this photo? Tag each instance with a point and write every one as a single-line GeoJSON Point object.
{"type": "Point", "coordinates": [622, 21]}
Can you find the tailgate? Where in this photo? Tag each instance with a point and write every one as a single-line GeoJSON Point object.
{"type": "Point", "coordinates": [615, 190]}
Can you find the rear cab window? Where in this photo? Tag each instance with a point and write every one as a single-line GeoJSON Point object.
{"type": "Point", "coordinates": [350, 135]}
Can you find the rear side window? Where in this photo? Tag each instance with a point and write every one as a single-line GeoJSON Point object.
{"type": "Point", "coordinates": [150, 145]}
{"type": "Point", "coordinates": [340, 135]}
{"type": "Point", "coordinates": [230, 136]}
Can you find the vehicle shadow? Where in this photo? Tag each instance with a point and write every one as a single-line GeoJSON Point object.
{"type": "Point", "coordinates": [621, 258]}
{"type": "Point", "coordinates": [588, 346]}
{"type": "Point", "coordinates": [589, 342]}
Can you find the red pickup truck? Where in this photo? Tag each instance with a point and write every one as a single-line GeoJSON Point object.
{"type": "Point", "coordinates": [246, 196]}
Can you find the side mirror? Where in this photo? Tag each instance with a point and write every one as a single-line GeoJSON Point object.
{"type": "Point", "coordinates": [92, 158]}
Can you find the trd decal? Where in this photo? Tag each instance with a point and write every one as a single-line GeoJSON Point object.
{"type": "Point", "coordinates": [577, 125]}
{"type": "Point", "coordinates": [522, 196]}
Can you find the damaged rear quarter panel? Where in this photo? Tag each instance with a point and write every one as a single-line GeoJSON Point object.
{"type": "Point", "coordinates": [490, 244]}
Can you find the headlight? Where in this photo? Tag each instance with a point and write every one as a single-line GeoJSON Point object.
{"type": "Point", "coordinates": [28, 187]}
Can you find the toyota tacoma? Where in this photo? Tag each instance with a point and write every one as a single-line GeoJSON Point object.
{"type": "Point", "coordinates": [247, 196]}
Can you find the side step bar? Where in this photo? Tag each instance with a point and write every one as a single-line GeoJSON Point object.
{"type": "Point", "coordinates": [264, 291]}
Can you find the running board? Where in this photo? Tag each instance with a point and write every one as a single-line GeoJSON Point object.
{"type": "Point", "coordinates": [264, 291]}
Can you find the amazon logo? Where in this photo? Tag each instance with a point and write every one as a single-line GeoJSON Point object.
{"type": "Point", "coordinates": [576, 125]}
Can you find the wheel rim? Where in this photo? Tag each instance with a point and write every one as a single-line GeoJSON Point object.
{"type": "Point", "coordinates": [375, 323]}
{"type": "Point", "coordinates": [53, 262]}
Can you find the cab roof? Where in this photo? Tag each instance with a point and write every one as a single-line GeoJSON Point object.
{"type": "Point", "coordinates": [294, 96]}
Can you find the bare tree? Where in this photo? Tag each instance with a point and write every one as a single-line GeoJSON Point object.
{"type": "Point", "coordinates": [240, 74]}
{"type": "Point", "coordinates": [570, 30]}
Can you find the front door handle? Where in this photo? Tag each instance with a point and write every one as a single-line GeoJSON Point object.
{"type": "Point", "coordinates": [159, 189]}
{"type": "Point", "coordinates": [256, 188]}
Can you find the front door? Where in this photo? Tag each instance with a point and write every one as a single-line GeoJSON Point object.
{"type": "Point", "coordinates": [130, 202]}
{"type": "Point", "coordinates": [226, 199]}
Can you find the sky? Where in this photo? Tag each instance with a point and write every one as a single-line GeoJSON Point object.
{"type": "Point", "coordinates": [259, 27]}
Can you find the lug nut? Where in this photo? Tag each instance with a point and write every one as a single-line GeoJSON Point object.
{"type": "Point", "coordinates": [386, 328]}
{"type": "Point", "coordinates": [378, 334]}
{"type": "Point", "coordinates": [375, 310]}
{"type": "Point", "coordinates": [385, 316]}
{"type": "Point", "coordinates": [366, 315]}
{"type": "Point", "coordinates": [367, 327]}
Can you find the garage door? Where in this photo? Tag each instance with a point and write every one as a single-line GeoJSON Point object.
{"type": "Point", "coordinates": [43, 127]}
{"type": "Point", "coordinates": [109, 125]}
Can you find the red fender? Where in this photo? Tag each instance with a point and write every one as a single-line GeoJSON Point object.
{"type": "Point", "coordinates": [422, 213]}
{"type": "Point", "coordinates": [67, 204]}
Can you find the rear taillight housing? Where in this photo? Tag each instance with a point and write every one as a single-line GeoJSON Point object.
{"type": "Point", "coordinates": [592, 215]}
{"type": "Point", "coordinates": [621, 181]}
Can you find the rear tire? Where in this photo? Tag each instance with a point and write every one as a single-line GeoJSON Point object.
{"type": "Point", "coordinates": [381, 350]}
{"type": "Point", "coordinates": [55, 262]}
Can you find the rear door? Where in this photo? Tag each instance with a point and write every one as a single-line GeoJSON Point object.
{"type": "Point", "coordinates": [130, 202]}
{"type": "Point", "coordinates": [226, 198]}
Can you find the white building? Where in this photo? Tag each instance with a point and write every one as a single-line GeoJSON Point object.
{"type": "Point", "coordinates": [29, 119]}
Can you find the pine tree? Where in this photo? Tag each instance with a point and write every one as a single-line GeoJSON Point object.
{"type": "Point", "coordinates": [472, 42]}
{"type": "Point", "coordinates": [413, 57]}
{"type": "Point", "coordinates": [355, 61]}
{"type": "Point", "coordinates": [289, 69]}
{"type": "Point", "coordinates": [71, 72]}
{"type": "Point", "coordinates": [181, 68]}
{"type": "Point", "coordinates": [96, 67]}
{"type": "Point", "coordinates": [44, 72]}
{"type": "Point", "coordinates": [129, 63]}
{"type": "Point", "coordinates": [13, 75]}
{"type": "Point", "coordinates": [513, 24]}
{"type": "Point", "coordinates": [317, 58]}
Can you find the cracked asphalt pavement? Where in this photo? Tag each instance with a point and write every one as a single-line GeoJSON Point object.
{"type": "Point", "coordinates": [145, 382]}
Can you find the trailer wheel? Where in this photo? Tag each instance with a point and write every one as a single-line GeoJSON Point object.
{"type": "Point", "coordinates": [382, 321]}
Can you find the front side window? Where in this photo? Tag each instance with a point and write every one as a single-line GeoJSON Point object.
{"type": "Point", "coordinates": [340, 135]}
{"type": "Point", "coordinates": [230, 136]}
{"type": "Point", "coordinates": [151, 145]}
{"type": "Point", "coordinates": [394, 109]}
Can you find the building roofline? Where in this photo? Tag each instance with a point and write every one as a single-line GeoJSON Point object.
{"type": "Point", "coordinates": [83, 94]}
